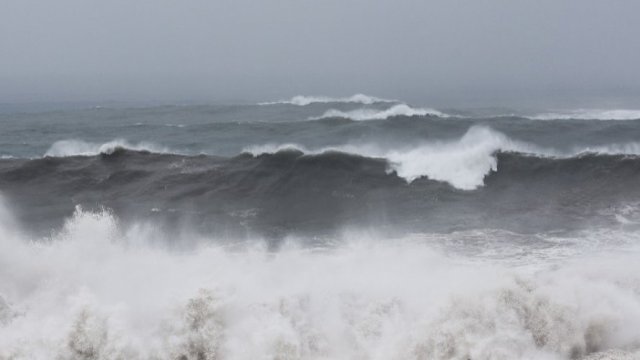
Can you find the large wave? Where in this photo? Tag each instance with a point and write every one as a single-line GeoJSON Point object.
{"type": "Point", "coordinates": [376, 114]}
{"type": "Point", "coordinates": [462, 163]}
{"type": "Point", "coordinates": [301, 100]}
{"type": "Point", "coordinates": [279, 191]}
{"type": "Point", "coordinates": [97, 290]}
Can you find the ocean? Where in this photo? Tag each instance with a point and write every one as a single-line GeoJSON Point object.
{"type": "Point", "coordinates": [319, 228]}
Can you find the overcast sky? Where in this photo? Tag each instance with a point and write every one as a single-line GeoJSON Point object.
{"type": "Point", "coordinates": [442, 52]}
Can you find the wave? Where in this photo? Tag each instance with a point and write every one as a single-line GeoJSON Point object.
{"type": "Point", "coordinates": [301, 100]}
{"type": "Point", "coordinates": [590, 114]}
{"type": "Point", "coordinates": [463, 163]}
{"type": "Point", "coordinates": [72, 147]}
{"type": "Point", "coordinates": [280, 190]}
{"type": "Point", "coordinates": [98, 290]}
{"type": "Point", "coordinates": [375, 114]}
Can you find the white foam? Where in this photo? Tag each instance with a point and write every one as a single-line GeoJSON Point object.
{"type": "Point", "coordinates": [301, 100]}
{"type": "Point", "coordinates": [590, 114]}
{"type": "Point", "coordinates": [82, 148]}
{"type": "Point", "coordinates": [374, 114]}
{"type": "Point", "coordinates": [97, 291]}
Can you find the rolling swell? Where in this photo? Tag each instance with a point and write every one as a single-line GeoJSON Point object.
{"type": "Point", "coordinates": [293, 192]}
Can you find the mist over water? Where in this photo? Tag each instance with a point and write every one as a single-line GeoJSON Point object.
{"type": "Point", "coordinates": [347, 227]}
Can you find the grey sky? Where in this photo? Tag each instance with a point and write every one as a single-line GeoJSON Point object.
{"type": "Point", "coordinates": [440, 52]}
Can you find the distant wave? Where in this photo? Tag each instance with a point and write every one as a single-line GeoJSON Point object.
{"type": "Point", "coordinates": [375, 114]}
{"type": "Point", "coordinates": [301, 100]}
{"type": "Point", "coordinates": [590, 114]}
{"type": "Point", "coordinates": [82, 148]}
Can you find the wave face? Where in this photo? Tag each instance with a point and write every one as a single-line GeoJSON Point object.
{"type": "Point", "coordinates": [327, 228]}
{"type": "Point", "coordinates": [301, 100]}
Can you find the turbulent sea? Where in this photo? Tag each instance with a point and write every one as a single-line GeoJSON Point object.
{"type": "Point", "coordinates": [319, 228]}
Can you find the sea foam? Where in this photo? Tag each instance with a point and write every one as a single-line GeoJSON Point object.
{"type": "Point", "coordinates": [99, 291]}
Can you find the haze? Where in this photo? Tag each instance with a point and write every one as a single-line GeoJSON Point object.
{"type": "Point", "coordinates": [432, 52]}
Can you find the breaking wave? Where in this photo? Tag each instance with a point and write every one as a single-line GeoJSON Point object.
{"type": "Point", "coordinates": [462, 162]}
{"type": "Point", "coordinates": [375, 114]}
{"type": "Point", "coordinates": [301, 100]}
{"type": "Point", "coordinates": [97, 290]}
{"type": "Point", "coordinates": [281, 190]}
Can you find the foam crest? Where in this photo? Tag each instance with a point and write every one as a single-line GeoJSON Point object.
{"type": "Point", "coordinates": [64, 148]}
{"type": "Point", "coordinates": [463, 163]}
{"type": "Point", "coordinates": [590, 114]}
{"type": "Point", "coordinates": [374, 114]}
{"type": "Point", "coordinates": [301, 100]}
{"type": "Point", "coordinates": [98, 291]}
